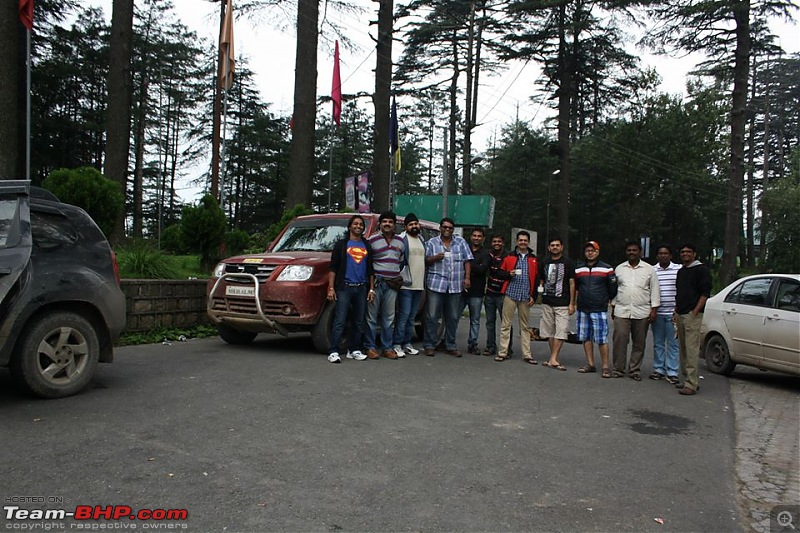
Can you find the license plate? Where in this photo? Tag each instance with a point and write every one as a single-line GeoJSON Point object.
{"type": "Point", "coordinates": [233, 290]}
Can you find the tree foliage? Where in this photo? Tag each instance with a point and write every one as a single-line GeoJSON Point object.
{"type": "Point", "coordinates": [87, 188]}
{"type": "Point", "coordinates": [203, 229]}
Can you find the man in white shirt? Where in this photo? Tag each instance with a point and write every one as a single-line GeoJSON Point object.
{"type": "Point", "coordinates": [409, 296]}
{"type": "Point", "coordinates": [634, 308]}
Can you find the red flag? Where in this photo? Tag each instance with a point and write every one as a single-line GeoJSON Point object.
{"type": "Point", "coordinates": [226, 50]}
{"type": "Point", "coordinates": [336, 89]}
{"type": "Point", "coordinates": [26, 13]}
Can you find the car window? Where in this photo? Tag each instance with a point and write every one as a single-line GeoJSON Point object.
{"type": "Point", "coordinates": [751, 292]}
{"type": "Point", "coordinates": [311, 236]}
{"type": "Point", "coordinates": [51, 231]}
{"type": "Point", "coordinates": [788, 295]}
{"type": "Point", "coordinates": [9, 223]}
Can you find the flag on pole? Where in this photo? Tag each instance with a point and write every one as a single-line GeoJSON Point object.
{"type": "Point", "coordinates": [26, 13]}
{"type": "Point", "coordinates": [226, 50]}
{"type": "Point", "coordinates": [394, 141]}
{"type": "Point", "coordinates": [336, 89]}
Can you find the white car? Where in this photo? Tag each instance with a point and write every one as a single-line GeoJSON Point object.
{"type": "Point", "coordinates": [754, 321]}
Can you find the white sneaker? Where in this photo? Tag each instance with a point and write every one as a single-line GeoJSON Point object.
{"type": "Point", "coordinates": [356, 354]}
{"type": "Point", "coordinates": [399, 351]}
{"type": "Point", "coordinates": [410, 350]}
{"type": "Point", "coordinates": [334, 358]}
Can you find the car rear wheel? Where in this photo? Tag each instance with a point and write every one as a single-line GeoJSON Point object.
{"type": "Point", "coordinates": [235, 336]}
{"type": "Point", "coordinates": [57, 355]}
{"type": "Point", "coordinates": [718, 356]}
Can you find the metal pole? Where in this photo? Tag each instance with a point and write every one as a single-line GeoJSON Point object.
{"type": "Point", "coordinates": [445, 177]}
{"type": "Point", "coordinates": [330, 169]}
{"type": "Point", "coordinates": [28, 109]}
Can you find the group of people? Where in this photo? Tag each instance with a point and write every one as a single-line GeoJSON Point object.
{"type": "Point", "coordinates": [380, 279]}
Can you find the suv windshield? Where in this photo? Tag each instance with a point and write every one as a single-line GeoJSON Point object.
{"type": "Point", "coordinates": [311, 236]}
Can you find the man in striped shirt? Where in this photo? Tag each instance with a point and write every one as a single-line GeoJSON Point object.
{"type": "Point", "coordinates": [665, 345]}
{"type": "Point", "coordinates": [387, 259]}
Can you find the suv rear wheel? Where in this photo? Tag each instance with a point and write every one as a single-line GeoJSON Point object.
{"type": "Point", "coordinates": [57, 355]}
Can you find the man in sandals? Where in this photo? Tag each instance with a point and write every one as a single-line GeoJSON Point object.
{"type": "Point", "coordinates": [557, 277]}
{"type": "Point", "coordinates": [520, 294]}
{"type": "Point", "coordinates": [596, 284]}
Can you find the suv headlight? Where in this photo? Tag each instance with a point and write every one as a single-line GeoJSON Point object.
{"type": "Point", "coordinates": [295, 273]}
{"type": "Point", "coordinates": [219, 270]}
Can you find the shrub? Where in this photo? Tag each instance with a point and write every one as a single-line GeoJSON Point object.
{"type": "Point", "coordinates": [172, 240]}
{"type": "Point", "coordinates": [140, 260]}
{"type": "Point", "coordinates": [236, 242]}
{"type": "Point", "coordinates": [87, 188]}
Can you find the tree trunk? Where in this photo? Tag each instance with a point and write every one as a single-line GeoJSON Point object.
{"type": "Point", "coordinates": [751, 143]}
{"type": "Point", "coordinates": [733, 218]}
{"type": "Point", "coordinates": [452, 177]}
{"type": "Point", "coordinates": [383, 84]}
{"type": "Point", "coordinates": [564, 91]}
{"type": "Point", "coordinates": [304, 117]}
{"type": "Point", "coordinates": [216, 120]}
{"type": "Point", "coordinates": [120, 95]}
{"type": "Point", "coordinates": [12, 93]}
{"type": "Point", "coordinates": [466, 181]}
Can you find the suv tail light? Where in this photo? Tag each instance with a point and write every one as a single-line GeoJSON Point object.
{"type": "Point", "coordinates": [116, 266]}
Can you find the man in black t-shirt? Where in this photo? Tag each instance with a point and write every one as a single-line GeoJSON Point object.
{"type": "Point", "coordinates": [557, 283]}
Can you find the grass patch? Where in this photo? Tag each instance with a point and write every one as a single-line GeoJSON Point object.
{"type": "Point", "coordinates": [140, 260]}
{"type": "Point", "coordinates": [167, 335]}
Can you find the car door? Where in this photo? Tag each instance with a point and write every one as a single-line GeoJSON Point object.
{"type": "Point", "coordinates": [782, 328]}
{"type": "Point", "coordinates": [745, 314]}
{"type": "Point", "coordinates": [15, 235]}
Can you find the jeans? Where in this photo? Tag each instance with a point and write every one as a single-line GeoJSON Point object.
{"type": "Point", "coordinates": [665, 346]}
{"type": "Point", "coordinates": [438, 304]}
{"type": "Point", "coordinates": [407, 305]}
{"type": "Point", "coordinates": [383, 304]}
{"type": "Point", "coordinates": [352, 302]}
{"type": "Point", "coordinates": [493, 303]}
{"type": "Point", "coordinates": [474, 303]}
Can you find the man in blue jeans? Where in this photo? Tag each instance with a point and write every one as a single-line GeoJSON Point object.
{"type": "Point", "coordinates": [473, 297]}
{"type": "Point", "coordinates": [447, 257]}
{"type": "Point", "coordinates": [409, 296]}
{"type": "Point", "coordinates": [350, 284]}
{"type": "Point", "coordinates": [493, 299]}
{"type": "Point", "coordinates": [665, 343]}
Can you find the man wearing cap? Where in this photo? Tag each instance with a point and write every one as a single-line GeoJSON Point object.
{"type": "Point", "coordinates": [410, 295]}
{"type": "Point", "coordinates": [387, 260]}
{"type": "Point", "coordinates": [596, 286]}
{"type": "Point", "coordinates": [448, 259]}
{"type": "Point", "coordinates": [693, 287]}
{"type": "Point", "coordinates": [633, 310]}
{"type": "Point", "coordinates": [557, 278]}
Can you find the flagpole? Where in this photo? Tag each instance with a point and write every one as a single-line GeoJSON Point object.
{"type": "Point", "coordinates": [330, 167]}
{"type": "Point", "coordinates": [28, 108]}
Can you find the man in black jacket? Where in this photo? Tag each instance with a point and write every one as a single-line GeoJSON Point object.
{"type": "Point", "coordinates": [473, 296]}
{"type": "Point", "coordinates": [493, 299]}
{"type": "Point", "coordinates": [350, 285]}
{"type": "Point", "coordinates": [693, 287]}
{"type": "Point", "coordinates": [596, 284]}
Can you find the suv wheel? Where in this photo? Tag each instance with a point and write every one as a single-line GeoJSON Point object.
{"type": "Point", "coordinates": [57, 355]}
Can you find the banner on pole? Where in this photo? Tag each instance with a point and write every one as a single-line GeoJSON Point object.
{"type": "Point", "coordinates": [364, 191]}
{"type": "Point", "coordinates": [350, 192]}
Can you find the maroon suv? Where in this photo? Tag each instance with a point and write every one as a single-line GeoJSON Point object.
{"type": "Point", "coordinates": [290, 279]}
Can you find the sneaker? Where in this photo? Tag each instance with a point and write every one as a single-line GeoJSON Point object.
{"type": "Point", "coordinates": [334, 358]}
{"type": "Point", "coordinates": [356, 354]}
{"type": "Point", "coordinates": [399, 351]}
{"type": "Point", "coordinates": [410, 350]}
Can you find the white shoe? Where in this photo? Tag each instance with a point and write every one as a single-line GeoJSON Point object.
{"type": "Point", "coordinates": [356, 354]}
{"type": "Point", "coordinates": [334, 358]}
{"type": "Point", "coordinates": [399, 351]}
{"type": "Point", "coordinates": [410, 350]}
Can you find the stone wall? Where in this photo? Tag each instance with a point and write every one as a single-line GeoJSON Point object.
{"type": "Point", "coordinates": [164, 303]}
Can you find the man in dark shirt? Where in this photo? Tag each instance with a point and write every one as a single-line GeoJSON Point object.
{"type": "Point", "coordinates": [493, 299]}
{"type": "Point", "coordinates": [557, 277]}
{"type": "Point", "coordinates": [473, 296]}
{"type": "Point", "coordinates": [693, 288]}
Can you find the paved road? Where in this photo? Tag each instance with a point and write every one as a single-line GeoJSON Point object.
{"type": "Point", "coordinates": [271, 437]}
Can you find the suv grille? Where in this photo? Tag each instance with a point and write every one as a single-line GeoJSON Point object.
{"type": "Point", "coordinates": [261, 271]}
{"type": "Point", "coordinates": [248, 306]}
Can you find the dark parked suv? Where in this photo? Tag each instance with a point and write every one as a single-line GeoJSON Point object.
{"type": "Point", "coordinates": [61, 307]}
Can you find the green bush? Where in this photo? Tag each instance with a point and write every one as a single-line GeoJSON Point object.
{"type": "Point", "coordinates": [296, 211]}
{"type": "Point", "coordinates": [203, 228]}
{"type": "Point", "coordinates": [140, 260]}
{"type": "Point", "coordinates": [236, 242]}
{"type": "Point", "coordinates": [172, 240]}
{"type": "Point", "coordinates": [87, 188]}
